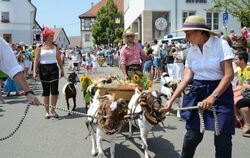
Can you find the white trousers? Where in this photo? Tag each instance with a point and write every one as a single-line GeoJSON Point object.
{"type": "Point", "coordinates": [178, 71]}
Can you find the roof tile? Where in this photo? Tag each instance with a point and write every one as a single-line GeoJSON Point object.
{"type": "Point", "coordinates": [92, 12]}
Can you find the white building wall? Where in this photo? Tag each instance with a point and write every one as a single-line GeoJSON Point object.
{"type": "Point", "coordinates": [201, 9]}
{"type": "Point", "coordinates": [133, 9]}
{"type": "Point", "coordinates": [136, 8]}
{"type": "Point", "coordinates": [21, 15]}
{"type": "Point", "coordinates": [87, 43]}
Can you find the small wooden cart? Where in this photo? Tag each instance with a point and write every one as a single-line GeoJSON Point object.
{"type": "Point", "coordinates": [121, 91]}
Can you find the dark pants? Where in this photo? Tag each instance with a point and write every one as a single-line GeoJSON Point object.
{"type": "Point", "coordinates": [192, 138]}
{"type": "Point", "coordinates": [49, 72]}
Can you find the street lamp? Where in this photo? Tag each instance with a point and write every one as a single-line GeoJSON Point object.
{"type": "Point", "coordinates": [117, 23]}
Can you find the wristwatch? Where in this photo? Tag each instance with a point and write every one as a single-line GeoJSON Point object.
{"type": "Point", "coordinates": [215, 94]}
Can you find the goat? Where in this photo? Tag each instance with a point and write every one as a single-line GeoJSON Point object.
{"type": "Point", "coordinates": [69, 89]}
{"type": "Point", "coordinates": [168, 87]}
{"type": "Point", "coordinates": [149, 104]}
{"type": "Point", "coordinates": [109, 116]}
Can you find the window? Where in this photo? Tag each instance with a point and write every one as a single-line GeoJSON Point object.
{"type": "Point", "coordinates": [185, 14]}
{"type": "Point", "coordinates": [7, 38]}
{"type": "Point", "coordinates": [5, 17]}
{"type": "Point", "coordinates": [82, 24]}
{"type": "Point", "coordinates": [37, 37]}
{"type": "Point", "coordinates": [87, 37]}
{"type": "Point", "coordinates": [213, 20]}
{"type": "Point", "coordinates": [216, 21]}
{"type": "Point", "coordinates": [196, 1]}
{"type": "Point", "coordinates": [87, 23]}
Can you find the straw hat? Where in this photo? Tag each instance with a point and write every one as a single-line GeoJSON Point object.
{"type": "Point", "coordinates": [129, 32]}
{"type": "Point", "coordinates": [195, 22]}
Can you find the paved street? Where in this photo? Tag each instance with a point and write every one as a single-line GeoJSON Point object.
{"type": "Point", "coordinates": [65, 137]}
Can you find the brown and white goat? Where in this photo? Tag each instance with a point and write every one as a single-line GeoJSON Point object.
{"type": "Point", "coordinates": [108, 119]}
{"type": "Point", "coordinates": [149, 104]}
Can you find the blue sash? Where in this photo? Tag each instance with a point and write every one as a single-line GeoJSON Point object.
{"type": "Point", "coordinates": [199, 91]}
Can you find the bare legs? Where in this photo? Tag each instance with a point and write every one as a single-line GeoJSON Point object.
{"type": "Point", "coordinates": [245, 112]}
{"type": "Point", "coordinates": [46, 102]}
{"type": "Point", "coordinates": [53, 104]}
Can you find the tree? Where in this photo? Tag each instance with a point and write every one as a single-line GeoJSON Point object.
{"type": "Point", "coordinates": [103, 29]}
{"type": "Point", "coordinates": [238, 8]}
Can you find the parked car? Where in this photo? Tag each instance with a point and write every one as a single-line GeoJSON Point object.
{"type": "Point", "coordinates": [182, 40]}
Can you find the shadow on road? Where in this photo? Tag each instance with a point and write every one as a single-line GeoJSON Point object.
{"type": "Point", "coordinates": [161, 147]}
{"type": "Point", "coordinates": [1, 110]}
{"type": "Point", "coordinates": [12, 100]}
{"type": "Point", "coordinates": [122, 151]}
{"type": "Point", "coordinates": [72, 116]}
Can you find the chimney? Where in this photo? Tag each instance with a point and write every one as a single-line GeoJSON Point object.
{"type": "Point", "coordinates": [54, 26]}
{"type": "Point", "coordinates": [92, 4]}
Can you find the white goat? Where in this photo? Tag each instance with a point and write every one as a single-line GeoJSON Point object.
{"type": "Point", "coordinates": [144, 125]}
{"type": "Point", "coordinates": [168, 87]}
{"type": "Point", "coordinates": [100, 134]}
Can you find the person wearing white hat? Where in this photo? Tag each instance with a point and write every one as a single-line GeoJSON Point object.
{"type": "Point", "coordinates": [131, 55]}
{"type": "Point", "coordinates": [209, 68]}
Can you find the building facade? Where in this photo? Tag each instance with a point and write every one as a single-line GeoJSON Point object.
{"type": "Point", "coordinates": [158, 18]}
{"type": "Point", "coordinates": [61, 38]}
{"type": "Point", "coordinates": [87, 18]}
{"type": "Point", "coordinates": [17, 21]}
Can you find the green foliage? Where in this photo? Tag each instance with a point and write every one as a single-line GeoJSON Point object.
{"type": "Point", "coordinates": [103, 29]}
{"type": "Point", "coordinates": [238, 8]}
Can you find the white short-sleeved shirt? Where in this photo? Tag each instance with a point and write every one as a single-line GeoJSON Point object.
{"type": "Point", "coordinates": [8, 61]}
{"type": "Point", "coordinates": [206, 65]}
{"type": "Point", "coordinates": [156, 50]}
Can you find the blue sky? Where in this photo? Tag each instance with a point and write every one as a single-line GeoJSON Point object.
{"type": "Point", "coordinates": [62, 13]}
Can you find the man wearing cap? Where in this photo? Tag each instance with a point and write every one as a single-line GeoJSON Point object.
{"type": "Point", "coordinates": [9, 65]}
{"type": "Point", "coordinates": [209, 68]}
{"type": "Point", "coordinates": [131, 55]}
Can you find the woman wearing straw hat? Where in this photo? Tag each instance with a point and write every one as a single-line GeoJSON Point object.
{"type": "Point", "coordinates": [209, 68]}
{"type": "Point", "coordinates": [131, 55]}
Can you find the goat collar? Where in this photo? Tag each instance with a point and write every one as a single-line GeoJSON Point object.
{"type": "Point", "coordinates": [151, 116]}
{"type": "Point", "coordinates": [152, 119]}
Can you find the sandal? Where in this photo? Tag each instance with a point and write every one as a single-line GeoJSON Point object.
{"type": "Point", "coordinates": [47, 116]}
{"type": "Point", "coordinates": [245, 130]}
{"type": "Point", "coordinates": [54, 114]}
